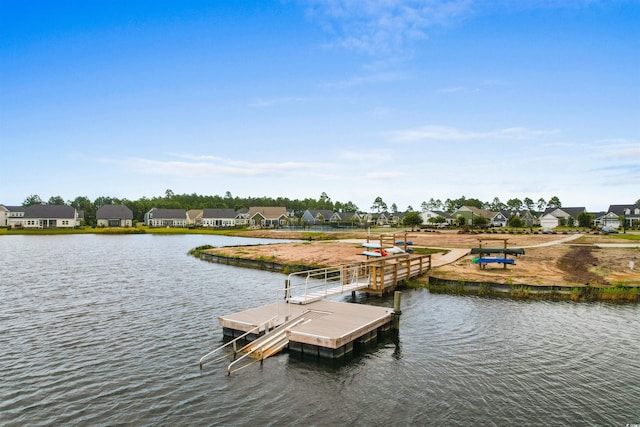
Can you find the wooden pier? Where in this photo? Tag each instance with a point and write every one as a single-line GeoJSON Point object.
{"type": "Point", "coordinates": [305, 322]}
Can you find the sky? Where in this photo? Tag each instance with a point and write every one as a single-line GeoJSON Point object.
{"type": "Point", "coordinates": [402, 100]}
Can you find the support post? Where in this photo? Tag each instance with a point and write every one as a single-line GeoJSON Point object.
{"type": "Point", "coordinates": [396, 310]}
{"type": "Point", "coordinates": [287, 289]}
{"type": "Point", "coordinates": [396, 302]}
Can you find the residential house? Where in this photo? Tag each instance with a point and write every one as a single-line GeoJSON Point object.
{"type": "Point", "coordinates": [158, 217]}
{"type": "Point", "coordinates": [11, 216]}
{"type": "Point", "coordinates": [194, 217]}
{"type": "Point", "coordinates": [267, 216]}
{"type": "Point", "coordinates": [219, 218]}
{"type": "Point", "coordinates": [554, 217]}
{"type": "Point", "coordinates": [376, 218]}
{"type": "Point", "coordinates": [629, 213]}
{"type": "Point", "coordinates": [471, 212]}
{"type": "Point", "coordinates": [428, 215]}
{"type": "Point", "coordinates": [4, 216]}
{"type": "Point", "coordinates": [242, 217]}
{"type": "Point", "coordinates": [114, 216]}
{"type": "Point", "coordinates": [605, 219]}
{"type": "Point", "coordinates": [348, 217]}
{"type": "Point", "coordinates": [526, 216]}
{"type": "Point", "coordinates": [396, 218]}
{"type": "Point", "coordinates": [319, 216]}
{"type": "Point", "coordinates": [45, 216]}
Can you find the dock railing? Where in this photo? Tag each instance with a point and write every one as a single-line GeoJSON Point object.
{"type": "Point", "coordinates": [266, 326]}
{"type": "Point", "coordinates": [312, 285]}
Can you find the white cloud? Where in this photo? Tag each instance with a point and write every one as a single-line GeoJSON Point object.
{"type": "Point", "coordinates": [619, 148]}
{"type": "Point", "coordinates": [202, 165]}
{"type": "Point", "coordinates": [446, 133]}
{"type": "Point", "coordinates": [383, 26]}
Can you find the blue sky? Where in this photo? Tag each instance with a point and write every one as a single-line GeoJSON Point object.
{"type": "Point", "coordinates": [403, 100]}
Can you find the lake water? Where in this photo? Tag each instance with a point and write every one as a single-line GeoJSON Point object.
{"type": "Point", "coordinates": [108, 330]}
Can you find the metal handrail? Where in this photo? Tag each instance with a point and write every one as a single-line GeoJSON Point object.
{"type": "Point", "coordinates": [234, 341]}
{"type": "Point", "coordinates": [324, 277]}
{"type": "Point", "coordinates": [263, 343]}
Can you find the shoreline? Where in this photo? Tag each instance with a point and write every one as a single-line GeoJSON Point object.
{"type": "Point", "coordinates": [585, 293]}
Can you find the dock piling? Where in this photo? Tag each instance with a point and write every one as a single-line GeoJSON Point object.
{"type": "Point", "coordinates": [396, 310]}
{"type": "Point", "coordinates": [396, 302]}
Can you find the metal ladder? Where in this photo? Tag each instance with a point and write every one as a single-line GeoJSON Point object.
{"type": "Point", "coordinates": [267, 345]}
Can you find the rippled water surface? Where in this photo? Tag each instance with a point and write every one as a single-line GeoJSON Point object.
{"type": "Point", "coordinates": [104, 330]}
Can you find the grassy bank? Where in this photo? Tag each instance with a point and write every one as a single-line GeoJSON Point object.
{"type": "Point", "coordinates": [619, 293]}
{"type": "Point", "coordinates": [114, 230]}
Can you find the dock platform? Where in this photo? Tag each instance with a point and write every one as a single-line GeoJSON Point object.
{"type": "Point", "coordinates": [329, 330]}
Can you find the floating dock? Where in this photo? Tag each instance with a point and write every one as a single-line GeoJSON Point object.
{"type": "Point", "coordinates": [305, 322]}
{"type": "Point", "coordinates": [327, 329]}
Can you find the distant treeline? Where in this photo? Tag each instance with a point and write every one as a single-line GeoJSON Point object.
{"type": "Point", "coordinates": [197, 201]}
{"type": "Point", "coordinates": [190, 201]}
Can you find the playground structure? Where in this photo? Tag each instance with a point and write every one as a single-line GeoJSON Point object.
{"type": "Point", "coordinates": [482, 260]}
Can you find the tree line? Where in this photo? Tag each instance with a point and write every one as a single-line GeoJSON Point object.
{"type": "Point", "coordinates": [170, 200]}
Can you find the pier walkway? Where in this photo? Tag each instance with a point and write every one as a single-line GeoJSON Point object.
{"type": "Point", "coordinates": [379, 276]}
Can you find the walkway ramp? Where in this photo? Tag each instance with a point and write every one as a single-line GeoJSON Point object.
{"type": "Point", "coordinates": [325, 292]}
{"type": "Point", "coordinates": [305, 287]}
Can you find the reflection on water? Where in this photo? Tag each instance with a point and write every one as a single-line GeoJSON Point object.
{"type": "Point", "coordinates": [108, 330]}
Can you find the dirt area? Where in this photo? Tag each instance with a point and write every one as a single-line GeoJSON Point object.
{"type": "Point", "coordinates": [572, 263]}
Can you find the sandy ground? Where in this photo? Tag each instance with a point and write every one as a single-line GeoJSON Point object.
{"type": "Point", "coordinates": [549, 259]}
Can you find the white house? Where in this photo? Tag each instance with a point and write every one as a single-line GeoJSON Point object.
{"type": "Point", "coordinates": [630, 213]}
{"type": "Point", "coordinates": [114, 216]}
{"type": "Point", "coordinates": [429, 218]}
{"type": "Point", "coordinates": [4, 216]}
{"type": "Point", "coordinates": [157, 217]}
{"type": "Point", "coordinates": [267, 216]}
{"type": "Point", "coordinates": [218, 218]}
{"type": "Point", "coordinates": [469, 213]}
{"type": "Point", "coordinates": [553, 217]}
{"type": "Point", "coordinates": [608, 219]}
{"type": "Point", "coordinates": [46, 216]}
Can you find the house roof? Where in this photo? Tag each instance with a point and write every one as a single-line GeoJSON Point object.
{"type": "Point", "coordinates": [268, 212]}
{"type": "Point", "coordinates": [599, 215]}
{"type": "Point", "coordinates": [443, 214]}
{"type": "Point", "coordinates": [345, 216]}
{"type": "Point", "coordinates": [169, 213]}
{"type": "Point", "coordinates": [620, 209]}
{"type": "Point", "coordinates": [193, 214]}
{"type": "Point", "coordinates": [519, 212]}
{"type": "Point", "coordinates": [114, 212]}
{"type": "Point", "coordinates": [219, 213]}
{"type": "Point", "coordinates": [14, 208]}
{"type": "Point", "coordinates": [50, 211]}
{"type": "Point", "coordinates": [480, 212]}
{"type": "Point", "coordinates": [326, 213]}
{"type": "Point", "coordinates": [572, 212]}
